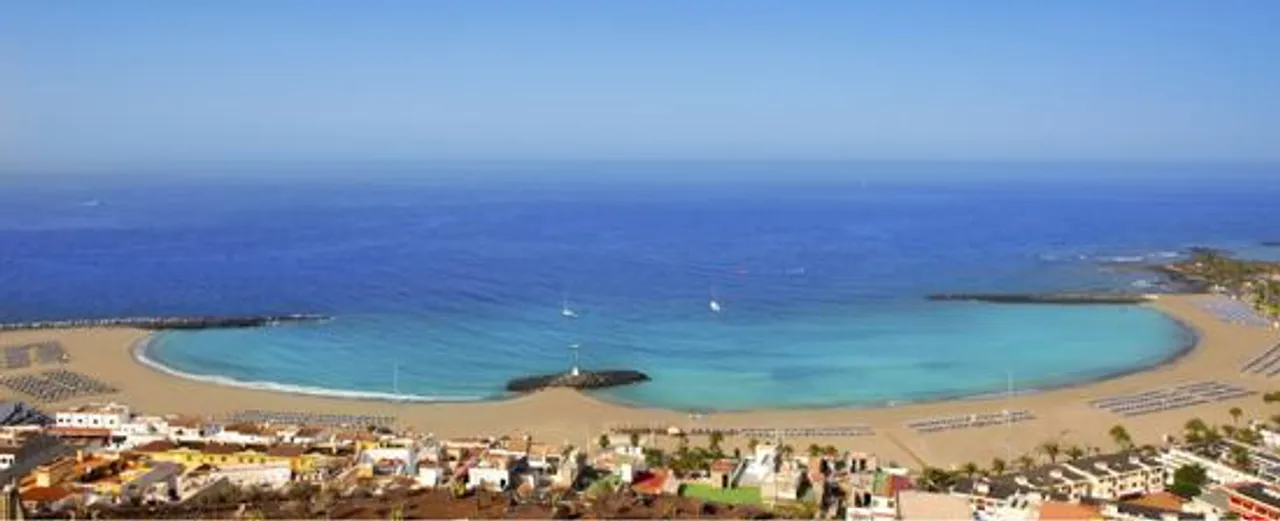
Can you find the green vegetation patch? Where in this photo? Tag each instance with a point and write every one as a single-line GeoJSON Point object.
{"type": "Point", "coordinates": [731, 496]}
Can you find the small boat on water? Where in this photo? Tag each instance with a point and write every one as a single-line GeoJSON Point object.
{"type": "Point", "coordinates": [566, 311]}
{"type": "Point", "coordinates": [715, 306]}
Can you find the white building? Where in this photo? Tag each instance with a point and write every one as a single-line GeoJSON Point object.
{"type": "Point", "coordinates": [271, 475]}
{"type": "Point", "coordinates": [430, 476]}
{"type": "Point", "coordinates": [94, 416]}
{"type": "Point", "coordinates": [1217, 471]}
{"type": "Point", "coordinates": [8, 455]}
{"type": "Point", "coordinates": [244, 434]}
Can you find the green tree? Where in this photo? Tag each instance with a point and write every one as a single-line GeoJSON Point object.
{"type": "Point", "coordinates": [635, 439]}
{"type": "Point", "coordinates": [969, 469]}
{"type": "Point", "coordinates": [1051, 449]}
{"type": "Point", "coordinates": [815, 450]}
{"type": "Point", "coordinates": [936, 480]}
{"type": "Point", "coordinates": [603, 442]}
{"type": "Point", "coordinates": [1188, 481]}
{"type": "Point", "coordinates": [1235, 413]}
{"type": "Point", "coordinates": [752, 444]}
{"type": "Point", "coordinates": [998, 466]}
{"type": "Point", "coordinates": [1121, 437]}
{"type": "Point", "coordinates": [654, 457]}
{"type": "Point", "coordinates": [1074, 452]}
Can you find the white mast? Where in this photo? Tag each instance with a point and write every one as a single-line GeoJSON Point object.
{"type": "Point", "coordinates": [575, 348]}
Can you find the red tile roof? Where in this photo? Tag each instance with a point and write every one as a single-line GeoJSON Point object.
{"type": "Point", "coordinates": [1058, 511]}
{"type": "Point", "coordinates": [1163, 501]}
{"type": "Point", "coordinates": [652, 482]}
{"type": "Point", "coordinates": [44, 494]}
{"type": "Point", "coordinates": [286, 451]}
{"type": "Point", "coordinates": [723, 465]}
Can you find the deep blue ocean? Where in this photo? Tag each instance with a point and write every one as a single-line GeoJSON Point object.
{"type": "Point", "coordinates": [444, 292]}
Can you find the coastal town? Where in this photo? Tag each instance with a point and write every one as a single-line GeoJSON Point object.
{"type": "Point", "coordinates": [87, 431]}
{"type": "Point", "coordinates": [106, 460]}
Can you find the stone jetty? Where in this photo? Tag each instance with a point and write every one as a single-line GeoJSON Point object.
{"type": "Point", "coordinates": [1046, 298]}
{"type": "Point", "coordinates": [168, 323]}
{"type": "Point", "coordinates": [577, 380]}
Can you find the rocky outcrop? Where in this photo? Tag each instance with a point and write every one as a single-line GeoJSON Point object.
{"type": "Point", "coordinates": [582, 380]}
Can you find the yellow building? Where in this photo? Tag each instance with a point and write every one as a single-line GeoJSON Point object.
{"type": "Point", "coordinates": [221, 455]}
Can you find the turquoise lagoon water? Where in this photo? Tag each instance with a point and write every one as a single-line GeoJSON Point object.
{"type": "Point", "coordinates": [445, 293]}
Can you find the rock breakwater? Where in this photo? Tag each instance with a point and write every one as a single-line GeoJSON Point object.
{"type": "Point", "coordinates": [580, 380]}
{"type": "Point", "coordinates": [168, 323]}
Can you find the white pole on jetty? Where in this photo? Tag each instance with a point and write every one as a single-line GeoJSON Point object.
{"type": "Point", "coordinates": [575, 349]}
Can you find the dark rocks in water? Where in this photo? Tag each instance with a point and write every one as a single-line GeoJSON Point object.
{"type": "Point", "coordinates": [582, 380]}
{"type": "Point", "coordinates": [1044, 298]}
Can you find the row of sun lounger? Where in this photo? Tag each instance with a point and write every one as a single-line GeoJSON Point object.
{"type": "Point", "coordinates": [789, 432]}
{"type": "Point", "coordinates": [1179, 397]}
{"type": "Point", "coordinates": [1267, 363]}
{"type": "Point", "coordinates": [56, 386]}
{"type": "Point", "coordinates": [307, 418]}
{"type": "Point", "coordinates": [969, 421]}
{"type": "Point", "coordinates": [1232, 311]}
{"type": "Point", "coordinates": [43, 353]}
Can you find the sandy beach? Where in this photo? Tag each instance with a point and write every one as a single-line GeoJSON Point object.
{"type": "Point", "coordinates": [1061, 415]}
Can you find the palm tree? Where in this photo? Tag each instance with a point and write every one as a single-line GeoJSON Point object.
{"type": "Point", "coordinates": [1121, 436]}
{"type": "Point", "coordinates": [969, 469]}
{"type": "Point", "coordinates": [1051, 449]}
{"type": "Point", "coordinates": [752, 444]}
{"type": "Point", "coordinates": [1240, 457]}
{"type": "Point", "coordinates": [998, 466]}
{"type": "Point", "coordinates": [635, 439]}
{"type": "Point", "coordinates": [1025, 462]}
{"type": "Point", "coordinates": [1196, 425]}
{"type": "Point", "coordinates": [717, 438]}
{"type": "Point", "coordinates": [603, 441]}
{"type": "Point", "coordinates": [1074, 452]}
{"type": "Point", "coordinates": [1235, 413]}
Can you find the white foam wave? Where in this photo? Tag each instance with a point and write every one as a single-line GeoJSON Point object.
{"type": "Point", "coordinates": [140, 353]}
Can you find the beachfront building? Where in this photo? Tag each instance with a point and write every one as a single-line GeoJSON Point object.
{"type": "Point", "coordinates": [1209, 457]}
{"type": "Point", "coordinates": [1121, 475]}
{"type": "Point", "coordinates": [104, 416]}
{"type": "Point", "coordinates": [244, 434]}
{"type": "Point", "coordinates": [1108, 477]}
{"type": "Point", "coordinates": [1254, 501]}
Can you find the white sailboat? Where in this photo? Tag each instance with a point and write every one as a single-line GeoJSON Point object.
{"type": "Point", "coordinates": [714, 305]}
{"type": "Point", "coordinates": [566, 311]}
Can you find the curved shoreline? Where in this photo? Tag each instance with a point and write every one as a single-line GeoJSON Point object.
{"type": "Point", "coordinates": [1188, 342]}
{"type": "Point", "coordinates": [143, 349]}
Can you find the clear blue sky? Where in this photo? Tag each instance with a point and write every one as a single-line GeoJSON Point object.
{"type": "Point", "coordinates": [125, 82]}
